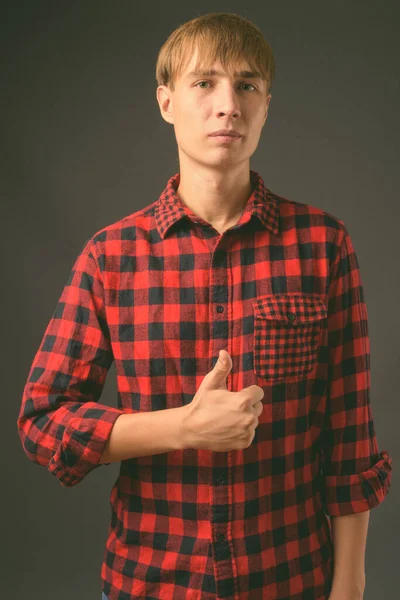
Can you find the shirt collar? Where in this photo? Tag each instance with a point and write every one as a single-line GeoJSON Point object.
{"type": "Point", "coordinates": [262, 203]}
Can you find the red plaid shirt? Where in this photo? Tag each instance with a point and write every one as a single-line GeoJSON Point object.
{"type": "Point", "coordinates": [160, 292]}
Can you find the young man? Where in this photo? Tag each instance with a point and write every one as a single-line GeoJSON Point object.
{"type": "Point", "coordinates": [238, 325]}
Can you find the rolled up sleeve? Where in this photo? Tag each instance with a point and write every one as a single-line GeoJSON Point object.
{"type": "Point", "coordinates": [356, 476]}
{"type": "Point", "coordinates": [61, 423]}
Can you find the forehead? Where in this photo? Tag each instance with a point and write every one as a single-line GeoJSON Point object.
{"type": "Point", "coordinates": [197, 66]}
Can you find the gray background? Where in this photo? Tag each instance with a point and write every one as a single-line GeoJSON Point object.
{"type": "Point", "coordinates": [83, 144]}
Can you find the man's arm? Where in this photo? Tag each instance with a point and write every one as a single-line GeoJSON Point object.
{"type": "Point", "coordinates": [357, 476]}
{"type": "Point", "coordinates": [145, 433]}
{"type": "Point", "coordinates": [349, 533]}
{"type": "Point", "coordinates": [61, 423]}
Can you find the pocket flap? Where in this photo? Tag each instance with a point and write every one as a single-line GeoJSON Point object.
{"type": "Point", "coordinates": [290, 308]}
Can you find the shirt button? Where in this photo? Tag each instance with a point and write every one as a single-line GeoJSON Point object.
{"type": "Point", "coordinates": [291, 316]}
{"type": "Point", "coordinates": [221, 537]}
{"type": "Point", "coordinates": [220, 480]}
{"type": "Point", "coordinates": [220, 308]}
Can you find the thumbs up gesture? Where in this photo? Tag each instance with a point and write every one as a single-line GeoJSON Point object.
{"type": "Point", "coordinates": [220, 420]}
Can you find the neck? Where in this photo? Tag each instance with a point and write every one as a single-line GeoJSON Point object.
{"type": "Point", "coordinates": [218, 197]}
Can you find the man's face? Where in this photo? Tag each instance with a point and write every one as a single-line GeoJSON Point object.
{"type": "Point", "coordinates": [200, 105]}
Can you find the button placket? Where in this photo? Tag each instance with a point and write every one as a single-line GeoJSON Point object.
{"type": "Point", "coordinates": [221, 505]}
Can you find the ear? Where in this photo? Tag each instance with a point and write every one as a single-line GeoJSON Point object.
{"type": "Point", "coordinates": [267, 107]}
{"type": "Point", "coordinates": [164, 99]}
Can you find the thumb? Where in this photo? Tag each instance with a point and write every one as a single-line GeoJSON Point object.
{"type": "Point", "coordinates": [223, 364]}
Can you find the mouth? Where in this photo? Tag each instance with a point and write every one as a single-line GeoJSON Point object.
{"type": "Point", "coordinates": [226, 138]}
{"type": "Point", "coordinates": [226, 132]}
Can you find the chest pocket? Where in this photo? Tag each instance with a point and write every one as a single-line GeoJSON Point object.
{"type": "Point", "coordinates": [287, 333]}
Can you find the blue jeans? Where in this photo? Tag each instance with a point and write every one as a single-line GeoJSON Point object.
{"type": "Point", "coordinates": [103, 596]}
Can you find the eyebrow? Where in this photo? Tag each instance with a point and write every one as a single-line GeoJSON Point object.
{"type": "Point", "coordinates": [245, 74]}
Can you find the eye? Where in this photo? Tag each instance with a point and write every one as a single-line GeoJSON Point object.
{"type": "Point", "coordinates": [242, 83]}
{"type": "Point", "coordinates": [196, 84]}
{"type": "Point", "coordinates": [253, 86]}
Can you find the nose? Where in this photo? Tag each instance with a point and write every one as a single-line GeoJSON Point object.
{"type": "Point", "coordinates": [227, 102]}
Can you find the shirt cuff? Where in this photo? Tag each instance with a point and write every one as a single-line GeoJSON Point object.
{"type": "Point", "coordinates": [347, 494]}
{"type": "Point", "coordinates": [83, 442]}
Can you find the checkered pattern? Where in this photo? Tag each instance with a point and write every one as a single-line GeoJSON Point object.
{"type": "Point", "coordinates": [287, 333]}
{"type": "Point", "coordinates": [160, 292]}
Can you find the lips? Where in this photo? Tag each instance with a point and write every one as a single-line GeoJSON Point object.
{"type": "Point", "coordinates": [224, 132]}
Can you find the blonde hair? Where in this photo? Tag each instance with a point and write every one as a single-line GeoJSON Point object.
{"type": "Point", "coordinates": [225, 36]}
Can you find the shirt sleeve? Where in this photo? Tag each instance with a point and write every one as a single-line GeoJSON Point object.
{"type": "Point", "coordinates": [61, 423]}
{"type": "Point", "coordinates": [356, 475]}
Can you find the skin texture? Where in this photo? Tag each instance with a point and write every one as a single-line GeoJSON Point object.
{"type": "Point", "coordinates": [349, 533]}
